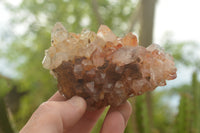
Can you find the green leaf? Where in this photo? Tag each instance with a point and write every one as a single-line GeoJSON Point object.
{"type": "Point", "coordinates": [4, 88]}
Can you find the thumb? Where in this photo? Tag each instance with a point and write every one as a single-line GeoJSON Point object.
{"type": "Point", "coordinates": [71, 111]}
{"type": "Point", "coordinates": [56, 116]}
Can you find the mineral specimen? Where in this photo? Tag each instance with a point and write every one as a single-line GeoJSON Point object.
{"type": "Point", "coordinates": [105, 69]}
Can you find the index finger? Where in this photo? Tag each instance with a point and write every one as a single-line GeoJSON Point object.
{"type": "Point", "coordinates": [116, 119]}
{"type": "Point", "coordinates": [57, 97]}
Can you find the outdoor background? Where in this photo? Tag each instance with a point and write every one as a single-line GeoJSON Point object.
{"type": "Point", "coordinates": [25, 30]}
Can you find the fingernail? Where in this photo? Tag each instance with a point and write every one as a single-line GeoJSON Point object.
{"type": "Point", "coordinates": [77, 101]}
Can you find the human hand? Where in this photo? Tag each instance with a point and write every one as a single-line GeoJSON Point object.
{"type": "Point", "coordinates": [59, 115]}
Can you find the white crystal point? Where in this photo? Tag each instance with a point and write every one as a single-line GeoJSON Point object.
{"type": "Point", "coordinates": [58, 34]}
{"type": "Point", "coordinates": [153, 47]}
{"type": "Point", "coordinates": [124, 55]}
{"type": "Point", "coordinates": [90, 36]}
{"type": "Point", "coordinates": [106, 34]}
{"type": "Point", "coordinates": [46, 62]}
{"type": "Point", "coordinates": [49, 54]}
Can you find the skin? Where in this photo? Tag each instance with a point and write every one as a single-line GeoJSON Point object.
{"type": "Point", "coordinates": [58, 115]}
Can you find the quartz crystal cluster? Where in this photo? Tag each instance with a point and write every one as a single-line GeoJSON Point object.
{"type": "Point", "coordinates": [105, 69]}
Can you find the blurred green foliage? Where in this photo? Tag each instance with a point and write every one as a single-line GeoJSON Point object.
{"type": "Point", "coordinates": [37, 17]}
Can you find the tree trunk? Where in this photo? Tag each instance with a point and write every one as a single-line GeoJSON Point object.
{"type": "Point", "coordinates": [146, 22]}
{"type": "Point", "coordinates": [95, 8]}
{"type": "Point", "coordinates": [5, 126]}
{"type": "Point", "coordinates": [145, 39]}
{"type": "Point", "coordinates": [195, 102]}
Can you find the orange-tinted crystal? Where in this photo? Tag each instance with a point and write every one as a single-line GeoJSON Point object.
{"type": "Point", "coordinates": [130, 39]}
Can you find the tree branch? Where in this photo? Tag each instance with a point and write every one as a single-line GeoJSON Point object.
{"type": "Point", "coordinates": [6, 78]}
{"type": "Point", "coordinates": [95, 8]}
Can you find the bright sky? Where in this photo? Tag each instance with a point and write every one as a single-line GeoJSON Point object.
{"type": "Point", "coordinates": [180, 17]}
